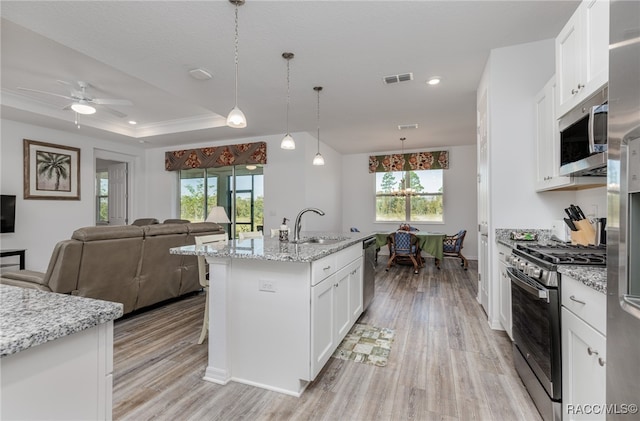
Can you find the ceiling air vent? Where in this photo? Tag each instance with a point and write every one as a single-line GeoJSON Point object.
{"type": "Point", "coordinates": [397, 78]}
{"type": "Point", "coordinates": [407, 126]}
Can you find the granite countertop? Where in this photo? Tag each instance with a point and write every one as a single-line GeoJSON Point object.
{"type": "Point", "coordinates": [267, 248]}
{"type": "Point", "coordinates": [30, 317]}
{"type": "Point", "coordinates": [503, 236]}
{"type": "Point", "coordinates": [592, 276]}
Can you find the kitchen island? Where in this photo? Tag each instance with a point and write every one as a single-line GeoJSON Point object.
{"type": "Point", "coordinates": [56, 355]}
{"type": "Point", "coordinates": [278, 310]}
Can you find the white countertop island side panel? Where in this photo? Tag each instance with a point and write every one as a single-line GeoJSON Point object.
{"type": "Point", "coordinates": [260, 329]}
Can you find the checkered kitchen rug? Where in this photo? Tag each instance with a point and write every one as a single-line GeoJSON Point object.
{"type": "Point", "coordinates": [366, 344]}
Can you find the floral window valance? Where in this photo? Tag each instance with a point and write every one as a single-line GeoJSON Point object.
{"type": "Point", "coordinates": [434, 160]}
{"type": "Point", "coordinates": [219, 156]}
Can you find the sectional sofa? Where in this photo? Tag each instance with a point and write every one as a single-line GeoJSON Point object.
{"type": "Point", "coordinates": [126, 264]}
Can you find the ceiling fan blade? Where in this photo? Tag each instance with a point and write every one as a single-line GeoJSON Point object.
{"type": "Point", "coordinates": [112, 111]}
{"type": "Point", "coordinates": [107, 101]}
{"type": "Point", "coordinates": [44, 92]}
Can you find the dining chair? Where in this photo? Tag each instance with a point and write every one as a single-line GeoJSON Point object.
{"type": "Point", "coordinates": [402, 245]}
{"type": "Point", "coordinates": [203, 276]}
{"type": "Point", "coordinates": [249, 234]}
{"type": "Point", "coordinates": [452, 247]}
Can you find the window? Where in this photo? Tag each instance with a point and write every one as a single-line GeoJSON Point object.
{"type": "Point", "coordinates": [237, 188]}
{"type": "Point", "coordinates": [423, 204]}
{"type": "Point", "coordinates": [102, 197]}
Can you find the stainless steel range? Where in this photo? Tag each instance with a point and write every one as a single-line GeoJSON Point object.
{"type": "Point", "coordinates": [535, 304]}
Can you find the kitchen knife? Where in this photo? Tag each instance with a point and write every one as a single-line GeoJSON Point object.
{"type": "Point", "coordinates": [580, 213]}
{"type": "Point", "coordinates": [575, 213]}
{"type": "Point", "coordinates": [568, 212]}
{"type": "Point", "coordinates": [570, 224]}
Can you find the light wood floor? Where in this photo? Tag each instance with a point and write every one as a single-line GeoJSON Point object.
{"type": "Point", "coordinates": [445, 364]}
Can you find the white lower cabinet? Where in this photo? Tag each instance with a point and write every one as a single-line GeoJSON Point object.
{"type": "Point", "coordinates": [336, 303]}
{"type": "Point", "coordinates": [584, 349]}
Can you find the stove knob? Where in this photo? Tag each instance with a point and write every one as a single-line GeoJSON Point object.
{"type": "Point", "coordinates": [536, 273]}
{"type": "Point", "coordinates": [522, 266]}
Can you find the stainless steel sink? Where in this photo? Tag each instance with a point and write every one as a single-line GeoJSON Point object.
{"type": "Point", "coordinates": [321, 241]}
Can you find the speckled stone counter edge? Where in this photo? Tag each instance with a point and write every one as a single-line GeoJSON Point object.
{"type": "Point", "coordinates": [592, 276]}
{"type": "Point", "coordinates": [30, 317]}
{"type": "Point", "coordinates": [267, 248]}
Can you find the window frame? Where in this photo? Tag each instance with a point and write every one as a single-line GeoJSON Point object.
{"type": "Point", "coordinates": [408, 217]}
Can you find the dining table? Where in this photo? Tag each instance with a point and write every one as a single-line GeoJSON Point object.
{"type": "Point", "coordinates": [429, 242]}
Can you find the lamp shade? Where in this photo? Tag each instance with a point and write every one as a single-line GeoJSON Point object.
{"type": "Point", "coordinates": [218, 215]}
{"type": "Point", "coordinates": [236, 119]}
{"type": "Point", "coordinates": [288, 142]}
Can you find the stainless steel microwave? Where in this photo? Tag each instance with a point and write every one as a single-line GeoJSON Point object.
{"type": "Point", "coordinates": [583, 137]}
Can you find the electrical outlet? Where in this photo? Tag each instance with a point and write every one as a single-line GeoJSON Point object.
{"type": "Point", "coordinates": [266, 285]}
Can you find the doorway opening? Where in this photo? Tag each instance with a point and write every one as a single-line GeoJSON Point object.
{"type": "Point", "coordinates": [112, 188]}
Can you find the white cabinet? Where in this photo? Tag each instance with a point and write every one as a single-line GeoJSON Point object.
{"type": "Point", "coordinates": [356, 301]}
{"type": "Point", "coordinates": [582, 54]}
{"type": "Point", "coordinates": [583, 351]}
{"type": "Point", "coordinates": [548, 146]}
{"type": "Point", "coordinates": [336, 304]}
{"type": "Point", "coordinates": [67, 378]}
{"type": "Point", "coordinates": [505, 289]}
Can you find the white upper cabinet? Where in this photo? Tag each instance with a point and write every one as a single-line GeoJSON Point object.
{"type": "Point", "coordinates": [582, 55]}
{"type": "Point", "coordinates": [548, 146]}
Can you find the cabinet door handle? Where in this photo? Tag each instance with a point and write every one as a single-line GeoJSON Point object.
{"type": "Point", "coordinates": [336, 285]}
{"type": "Point", "coordinates": [327, 268]}
{"type": "Point", "coordinates": [591, 351]}
{"type": "Point", "coordinates": [601, 361]}
{"type": "Point", "coordinates": [573, 298]}
{"type": "Point", "coordinates": [354, 271]}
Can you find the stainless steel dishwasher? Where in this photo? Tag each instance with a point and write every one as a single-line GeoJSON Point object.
{"type": "Point", "coordinates": [369, 271]}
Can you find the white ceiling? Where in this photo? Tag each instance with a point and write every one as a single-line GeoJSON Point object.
{"type": "Point", "coordinates": [143, 50]}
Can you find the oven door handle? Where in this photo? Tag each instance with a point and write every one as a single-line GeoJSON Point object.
{"type": "Point", "coordinates": [541, 294]}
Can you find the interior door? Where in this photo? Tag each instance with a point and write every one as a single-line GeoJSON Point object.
{"type": "Point", "coordinates": [118, 194]}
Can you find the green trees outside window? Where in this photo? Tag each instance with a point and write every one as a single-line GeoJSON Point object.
{"type": "Point", "coordinates": [202, 189]}
{"type": "Point", "coordinates": [411, 196]}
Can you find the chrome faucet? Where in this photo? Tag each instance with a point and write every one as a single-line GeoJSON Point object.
{"type": "Point", "coordinates": [298, 224]}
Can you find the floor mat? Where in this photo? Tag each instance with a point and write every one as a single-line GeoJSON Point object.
{"type": "Point", "coordinates": [366, 344]}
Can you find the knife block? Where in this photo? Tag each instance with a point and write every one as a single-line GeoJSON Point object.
{"type": "Point", "coordinates": [585, 235]}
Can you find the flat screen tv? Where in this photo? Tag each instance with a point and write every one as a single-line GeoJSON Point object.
{"type": "Point", "coordinates": [7, 213]}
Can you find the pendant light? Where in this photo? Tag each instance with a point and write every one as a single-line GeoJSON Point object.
{"type": "Point", "coordinates": [404, 188]}
{"type": "Point", "coordinates": [236, 118]}
{"type": "Point", "coordinates": [287, 141]}
{"type": "Point", "coordinates": [318, 159]}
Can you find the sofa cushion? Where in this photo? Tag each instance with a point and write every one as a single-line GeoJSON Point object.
{"type": "Point", "coordinates": [109, 269]}
{"type": "Point", "coordinates": [162, 229]}
{"type": "Point", "coordinates": [106, 233]}
{"type": "Point", "coordinates": [161, 271]}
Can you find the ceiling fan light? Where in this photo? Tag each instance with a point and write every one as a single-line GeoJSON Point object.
{"type": "Point", "coordinates": [236, 118]}
{"type": "Point", "coordinates": [288, 142]}
{"type": "Point", "coordinates": [318, 159]}
{"type": "Point", "coordinates": [82, 107]}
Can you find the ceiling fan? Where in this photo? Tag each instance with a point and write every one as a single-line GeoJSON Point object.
{"type": "Point", "coordinates": [83, 103]}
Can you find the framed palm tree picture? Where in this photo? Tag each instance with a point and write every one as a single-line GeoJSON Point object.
{"type": "Point", "coordinates": [51, 171]}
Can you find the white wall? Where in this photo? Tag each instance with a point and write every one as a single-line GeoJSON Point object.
{"type": "Point", "coordinates": [291, 183]}
{"type": "Point", "coordinates": [516, 74]}
{"type": "Point", "coordinates": [40, 224]}
{"type": "Point", "coordinates": [460, 196]}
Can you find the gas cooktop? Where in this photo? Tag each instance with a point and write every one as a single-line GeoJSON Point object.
{"type": "Point", "coordinates": [567, 254]}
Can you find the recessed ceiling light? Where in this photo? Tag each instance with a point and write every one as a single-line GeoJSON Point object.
{"type": "Point", "coordinates": [434, 80]}
{"type": "Point", "coordinates": [133, 122]}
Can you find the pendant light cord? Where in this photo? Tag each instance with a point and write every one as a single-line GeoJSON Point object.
{"type": "Point", "coordinates": [236, 53]}
{"type": "Point", "coordinates": [318, 116]}
{"type": "Point", "coordinates": [288, 80]}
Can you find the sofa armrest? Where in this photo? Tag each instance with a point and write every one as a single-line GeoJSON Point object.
{"type": "Point", "coordinates": [26, 279]}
